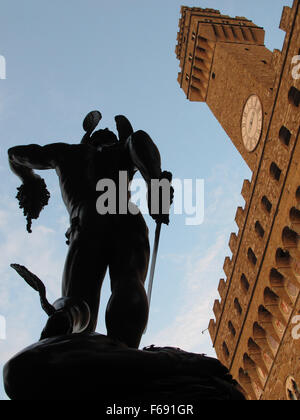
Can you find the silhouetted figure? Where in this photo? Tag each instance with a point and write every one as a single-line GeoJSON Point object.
{"type": "Point", "coordinates": [70, 366]}
{"type": "Point", "coordinates": [118, 242]}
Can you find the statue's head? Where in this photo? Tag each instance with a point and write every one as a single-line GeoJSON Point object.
{"type": "Point", "coordinates": [102, 138]}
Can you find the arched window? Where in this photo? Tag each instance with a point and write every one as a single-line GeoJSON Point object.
{"type": "Point", "coordinates": [294, 96]}
{"type": "Point", "coordinates": [292, 389]}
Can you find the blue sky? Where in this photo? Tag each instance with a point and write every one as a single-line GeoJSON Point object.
{"type": "Point", "coordinates": [65, 58]}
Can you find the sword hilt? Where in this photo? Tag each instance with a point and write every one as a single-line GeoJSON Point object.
{"type": "Point", "coordinates": [165, 218]}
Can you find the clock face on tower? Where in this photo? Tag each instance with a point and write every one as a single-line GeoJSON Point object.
{"type": "Point", "coordinates": [252, 123]}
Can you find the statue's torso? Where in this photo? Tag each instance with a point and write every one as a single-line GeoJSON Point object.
{"type": "Point", "coordinates": [82, 167]}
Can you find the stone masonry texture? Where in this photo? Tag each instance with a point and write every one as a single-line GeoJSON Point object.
{"type": "Point", "coordinates": [255, 331]}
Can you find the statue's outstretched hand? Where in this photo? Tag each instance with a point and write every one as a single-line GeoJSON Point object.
{"type": "Point", "coordinates": [60, 323]}
{"type": "Point", "coordinates": [160, 200]}
{"type": "Point", "coordinates": [33, 196]}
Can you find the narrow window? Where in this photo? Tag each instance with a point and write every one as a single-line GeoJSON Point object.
{"type": "Point", "coordinates": [285, 135]}
{"type": "Point", "coordinates": [259, 230]}
{"type": "Point", "coordinates": [225, 351]}
{"type": "Point", "coordinates": [275, 172]}
{"type": "Point", "coordinates": [294, 96]}
{"type": "Point", "coordinates": [238, 307]}
{"type": "Point", "coordinates": [252, 257]}
{"type": "Point", "coordinates": [245, 284]}
{"type": "Point", "coordinates": [266, 204]}
{"type": "Point", "coordinates": [231, 329]}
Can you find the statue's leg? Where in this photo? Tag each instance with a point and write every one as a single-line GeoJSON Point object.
{"type": "Point", "coordinates": [127, 310]}
{"type": "Point", "coordinates": [84, 272]}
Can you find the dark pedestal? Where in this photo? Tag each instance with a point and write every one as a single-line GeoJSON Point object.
{"type": "Point", "coordinates": [94, 367]}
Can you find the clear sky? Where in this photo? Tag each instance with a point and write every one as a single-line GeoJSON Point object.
{"type": "Point", "coordinates": [66, 58]}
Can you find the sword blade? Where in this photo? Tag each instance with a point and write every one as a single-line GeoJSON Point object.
{"type": "Point", "coordinates": [153, 264]}
{"type": "Point", "coordinates": [154, 259]}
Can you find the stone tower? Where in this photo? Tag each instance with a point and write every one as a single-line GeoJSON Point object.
{"type": "Point", "coordinates": [210, 46]}
{"type": "Point", "coordinates": [255, 95]}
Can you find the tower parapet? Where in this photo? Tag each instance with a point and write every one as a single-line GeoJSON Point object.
{"type": "Point", "coordinates": [200, 31]}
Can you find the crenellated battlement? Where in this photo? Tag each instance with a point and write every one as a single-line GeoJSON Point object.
{"type": "Point", "coordinates": [200, 30]}
{"type": "Point", "coordinates": [286, 19]}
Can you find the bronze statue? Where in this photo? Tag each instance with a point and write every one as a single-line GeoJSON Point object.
{"type": "Point", "coordinates": [97, 242]}
{"type": "Point", "coordinates": [71, 361]}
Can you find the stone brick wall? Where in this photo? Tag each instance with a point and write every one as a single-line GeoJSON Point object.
{"type": "Point", "coordinates": [229, 90]}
